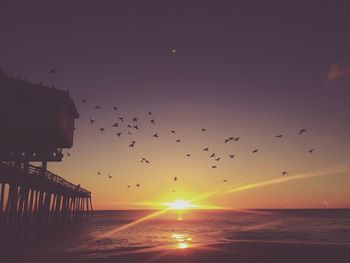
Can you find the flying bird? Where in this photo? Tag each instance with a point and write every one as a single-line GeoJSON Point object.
{"type": "Point", "coordinates": [175, 178]}
{"type": "Point", "coordinates": [115, 108]}
{"type": "Point", "coordinates": [302, 131]}
{"type": "Point", "coordinates": [227, 140]}
{"type": "Point", "coordinates": [232, 155]}
{"type": "Point", "coordinates": [150, 113]}
{"type": "Point", "coordinates": [138, 185]}
{"type": "Point", "coordinates": [83, 100]}
{"type": "Point", "coordinates": [119, 134]}
{"type": "Point", "coordinates": [110, 177]}
{"type": "Point", "coordinates": [116, 125]}
{"type": "Point", "coordinates": [97, 107]}
{"type": "Point", "coordinates": [255, 151]}
{"type": "Point", "coordinates": [129, 126]}
{"type": "Point", "coordinates": [279, 136]}
{"type": "Point", "coordinates": [121, 118]}
{"type": "Point", "coordinates": [284, 173]}
{"type": "Point", "coordinates": [153, 121]}
{"type": "Point", "coordinates": [311, 151]}
{"type": "Point", "coordinates": [217, 159]}
{"type": "Point", "coordinates": [99, 173]}
{"type": "Point", "coordinates": [52, 71]}
{"type": "Point", "coordinates": [102, 129]}
{"type": "Point", "coordinates": [237, 139]}
{"type": "Point", "coordinates": [68, 154]}
{"type": "Point", "coordinates": [172, 131]}
{"type": "Point", "coordinates": [213, 155]}
{"type": "Point", "coordinates": [136, 127]}
{"type": "Point", "coordinates": [224, 180]}
{"type": "Point", "coordinates": [206, 149]}
{"type": "Point", "coordinates": [155, 135]}
{"type": "Point", "coordinates": [128, 186]}
{"type": "Point", "coordinates": [188, 155]}
{"type": "Point", "coordinates": [214, 166]}
{"type": "Point", "coordinates": [132, 144]}
{"type": "Point", "coordinates": [129, 133]}
{"type": "Point", "coordinates": [203, 129]}
{"type": "Point", "coordinates": [135, 119]}
{"type": "Point", "coordinates": [178, 140]}
{"type": "Point", "coordinates": [91, 121]}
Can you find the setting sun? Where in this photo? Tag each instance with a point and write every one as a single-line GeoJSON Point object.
{"type": "Point", "coordinates": [180, 205]}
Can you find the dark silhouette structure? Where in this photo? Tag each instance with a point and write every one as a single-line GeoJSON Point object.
{"type": "Point", "coordinates": [37, 122]}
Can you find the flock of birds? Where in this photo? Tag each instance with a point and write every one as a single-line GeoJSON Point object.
{"type": "Point", "coordinates": [134, 125]}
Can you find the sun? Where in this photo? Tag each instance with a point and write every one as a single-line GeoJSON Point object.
{"type": "Point", "coordinates": [180, 205]}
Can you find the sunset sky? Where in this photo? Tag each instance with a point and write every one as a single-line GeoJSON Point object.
{"type": "Point", "coordinates": [236, 69]}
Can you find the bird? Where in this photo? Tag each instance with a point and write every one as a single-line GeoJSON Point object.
{"type": "Point", "coordinates": [91, 121]}
{"type": "Point", "coordinates": [121, 119]}
{"type": "Point", "coordinates": [110, 177]}
{"type": "Point", "coordinates": [129, 126]}
{"type": "Point", "coordinates": [99, 173]}
{"type": "Point", "coordinates": [224, 180]}
{"type": "Point", "coordinates": [153, 121]}
{"type": "Point", "coordinates": [232, 155]}
{"type": "Point", "coordinates": [231, 138]}
{"type": "Point", "coordinates": [155, 135]}
{"type": "Point", "coordinates": [217, 159]}
{"type": "Point", "coordinates": [102, 129]}
{"type": "Point", "coordinates": [132, 145]}
{"type": "Point", "coordinates": [279, 135]}
{"type": "Point", "coordinates": [116, 125]}
{"type": "Point", "coordinates": [83, 100]}
{"type": "Point", "coordinates": [135, 119]}
{"type": "Point", "coordinates": [97, 107]}
{"type": "Point", "coordinates": [172, 131]}
{"type": "Point", "coordinates": [175, 178]}
{"type": "Point", "coordinates": [302, 131]}
{"type": "Point", "coordinates": [52, 71]}
{"type": "Point", "coordinates": [129, 133]}
{"type": "Point", "coordinates": [214, 166]}
{"type": "Point", "coordinates": [311, 151]}
{"type": "Point", "coordinates": [115, 108]}
{"type": "Point", "coordinates": [138, 185]}
{"type": "Point", "coordinates": [188, 155]}
{"type": "Point", "coordinates": [284, 173]}
{"type": "Point", "coordinates": [136, 127]}
{"type": "Point", "coordinates": [128, 186]}
{"type": "Point", "coordinates": [203, 129]}
{"type": "Point", "coordinates": [178, 140]}
{"type": "Point", "coordinates": [213, 155]}
{"type": "Point", "coordinates": [237, 139]}
{"type": "Point", "coordinates": [227, 140]}
{"type": "Point", "coordinates": [119, 134]}
{"type": "Point", "coordinates": [206, 149]}
{"type": "Point", "coordinates": [150, 113]}
{"type": "Point", "coordinates": [255, 151]}
{"type": "Point", "coordinates": [147, 161]}
{"type": "Point", "coordinates": [68, 154]}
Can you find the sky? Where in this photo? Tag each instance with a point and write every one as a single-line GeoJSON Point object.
{"type": "Point", "coordinates": [250, 70]}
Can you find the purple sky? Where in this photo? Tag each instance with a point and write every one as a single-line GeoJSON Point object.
{"type": "Point", "coordinates": [260, 68]}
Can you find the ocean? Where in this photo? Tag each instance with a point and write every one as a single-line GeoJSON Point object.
{"type": "Point", "coordinates": [114, 233]}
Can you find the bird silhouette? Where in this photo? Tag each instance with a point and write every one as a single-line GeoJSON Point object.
{"type": "Point", "coordinates": [255, 151]}
{"type": "Point", "coordinates": [178, 140]}
{"type": "Point", "coordinates": [232, 155]}
{"type": "Point", "coordinates": [227, 140]}
{"type": "Point", "coordinates": [231, 138]}
{"type": "Point", "coordinates": [132, 144]}
{"type": "Point", "coordinates": [224, 180]}
{"type": "Point", "coordinates": [206, 149]}
{"type": "Point", "coordinates": [102, 129]}
{"type": "Point", "coordinates": [214, 166]}
{"type": "Point", "coordinates": [311, 151]}
{"type": "Point", "coordinates": [129, 133]}
{"type": "Point", "coordinates": [237, 139]}
{"type": "Point", "coordinates": [138, 185]}
{"type": "Point", "coordinates": [135, 119]}
{"type": "Point", "coordinates": [128, 186]}
{"type": "Point", "coordinates": [172, 131]}
{"type": "Point", "coordinates": [68, 154]}
{"type": "Point", "coordinates": [91, 121]}
{"type": "Point", "coordinates": [302, 131]}
{"type": "Point", "coordinates": [188, 155]}
{"type": "Point", "coordinates": [110, 177]}
{"type": "Point", "coordinates": [83, 100]}
{"type": "Point", "coordinates": [175, 178]}
{"type": "Point", "coordinates": [203, 129]}
{"type": "Point", "coordinates": [217, 159]}
{"type": "Point", "coordinates": [97, 107]}
{"type": "Point", "coordinates": [155, 135]}
{"type": "Point", "coordinates": [99, 173]}
{"type": "Point", "coordinates": [147, 161]}
{"type": "Point", "coordinates": [129, 126]}
{"type": "Point", "coordinates": [284, 173]}
{"type": "Point", "coordinates": [213, 155]}
{"type": "Point", "coordinates": [136, 127]}
{"type": "Point", "coordinates": [52, 71]}
{"type": "Point", "coordinates": [279, 136]}
{"type": "Point", "coordinates": [119, 134]}
{"type": "Point", "coordinates": [153, 121]}
{"type": "Point", "coordinates": [121, 119]}
{"type": "Point", "coordinates": [115, 108]}
{"type": "Point", "coordinates": [150, 113]}
{"type": "Point", "coordinates": [116, 125]}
